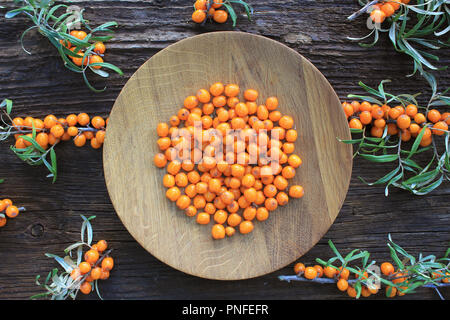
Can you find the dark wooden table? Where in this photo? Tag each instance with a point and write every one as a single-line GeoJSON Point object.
{"type": "Point", "coordinates": [40, 85]}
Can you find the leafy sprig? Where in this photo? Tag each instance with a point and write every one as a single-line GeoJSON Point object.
{"type": "Point", "coordinates": [408, 174]}
{"type": "Point", "coordinates": [55, 21]}
{"type": "Point", "coordinates": [34, 154]}
{"type": "Point", "coordinates": [418, 30]}
{"type": "Point", "coordinates": [411, 273]}
{"type": "Point", "coordinates": [60, 285]}
{"type": "Point", "coordinates": [228, 4]}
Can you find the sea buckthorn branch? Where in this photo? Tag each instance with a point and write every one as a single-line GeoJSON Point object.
{"type": "Point", "coordinates": [78, 275]}
{"type": "Point", "coordinates": [384, 133]}
{"type": "Point", "coordinates": [80, 51]}
{"type": "Point", "coordinates": [36, 139]}
{"type": "Point", "coordinates": [8, 210]}
{"type": "Point", "coordinates": [410, 273]}
{"type": "Point", "coordinates": [414, 29]}
{"type": "Point", "coordinates": [204, 9]}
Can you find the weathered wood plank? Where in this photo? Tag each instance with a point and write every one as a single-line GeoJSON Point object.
{"type": "Point", "coordinates": [39, 85]}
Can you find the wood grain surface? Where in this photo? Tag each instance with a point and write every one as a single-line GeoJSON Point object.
{"type": "Point", "coordinates": [157, 90]}
{"type": "Point", "coordinates": [39, 85]}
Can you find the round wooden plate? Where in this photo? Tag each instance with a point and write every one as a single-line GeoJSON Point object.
{"type": "Point", "coordinates": [157, 91]}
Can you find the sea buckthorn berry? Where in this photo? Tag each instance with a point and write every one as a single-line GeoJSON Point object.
{"type": "Point", "coordinates": [98, 122]}
{"type": "Point", "coordinates": [183, 202]}
{"type": "Point", "coordinates": [434, 115]}
{"type": "Point", "coordinates": [272, 103]}
{"type": "Point", "coordinates": [99, 47]}
{"type": "Point", "coordinates": [299, 268]}
{"type": "Point", "coordinates": [439, 128]}
{"type": "Point", "coordinates": [351, 291]}
{"type": "Point", "coordinates": [42, 139]}
{"type": "Point", "coordinates": [355, 124]}
{"type": "Point", "coordinates": [319, 270]}
{"type": "Point", "coordinates": [108, 264]}
{"type": "Point", "coordinates": [95, 59]}
{"type": "Point", "coordinates": [100, 136]}
{"type": "Point", "coordinates": [20, 144]}
{"type": "Point", "coordinates": [217, 4]}
{"type": "Point", "coordinates": [262, 214]}
{"type": "Point", "coordinates": [220, 216]}
{"type": "Point", "coordinates": [217, 89]}
{"type": "Point", "coordinates": [190, 102]}
{"type": "Point", "coordinates": [91, 256]}
{"type": "Point", "coordinates": [330, 272]}
{"type": "Point", "coordinates": [198, 16]}
{"type": "Point", "coordinates": [230, 231]}
{"type": "Point", "coordinates": [246, 227]}
{"type": "Point", "coordinates": [12, 211]}
{"type": "Point", "coordinates": [419, 118]}
{"type": "Point", "coordinates": [2, 222]}
{"type": "Point", "coordinates": [388, 9]}
{"type": "Point", "coordinates": [348, 109]}
{"type": "Point", "coordinates": [57, 130]}
{"type": "Point", "coordinates": [102, 245]}
{"type": "Point", "coordinates": [159, 158]}
{"type": "Point", "coordinates": [286, 122]}
{"type": "Point", "coordinates": [72, 131]}
{"type": "Point", "coordinates": [218, 231]}
{"type": "Point", "coordinates": [203, 96]}
{"type": "Point", "coordinates": [72, 120]}
{"type": "Point", "coordinates": [84, 267]}
{"type": "Point", "coordinates": [234, 219]}
{"type": "Point", "coordinates": [387, 268]}
{"type": "Point", "coordinates": [391, 291]}
{"type": "Point", "coordinates": [79, 141]}
{"type": "Point", "coordinates": [231, 90]}
{"type": "Point", "coordinates": [83, 119]}
{"type": "Point", "coordinates": [50, 121]}
{"type": "Point", "coordinates": [85, 287]}
{"type": "Point", "coordinates": [365, 117]}
{"type": "Point", "coordinates": [220, 16]}
{"type": "Point", "coordinates": [377, 16]}
{"type": "Point", "coordinates": [95, 144]}
{"type": "Point", "coordinates": [173, 193]}
{"type": "Point", "coordinates": [250, 95]}
{"type": "Point", "coordinates": [310, 273]}
{"type": "Point", "coordinates": [203, 218]}
{"type": "Point", "coordinates": [411, 110]}
{"type": "Point", "coordinates": [342, 285]}
{"type": "Point", "coordinates": [403, 121]}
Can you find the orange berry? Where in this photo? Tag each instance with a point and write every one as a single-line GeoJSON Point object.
{"type": "Point", "coordinates": [96, 273]}
{"type": "Point", "coordinates": [83, 119]}
{"type": "Point", "coordinates": [98, 122]}
{"type": "Point", "coordinates": [377, 16]}
{"type": "Point", "coordinates": [173, 193]}
{"type": "Point", "coordinates": [203, 218]}
{"type": "Point", "coordinates": [299, 268]}
{"type": "Point", "coordinates": [218, 231]}
{"type": "Point", "coordinates": [391, 291]}
{"type": "Point", "coordinates": [330, 272]}
{"type": "Point", "coordinates": [439, 128]}
{"type": "Point", "coordinates": [183, 202]}
{"type": "Point", "coordinates": [403, 121]}
{"type": "Point", "coordinates": [230, 231]}
{"type": "Point", "coordinates": [198, 16]}
{"type": "Point", "coordinates": [286, 122]}
{"type": "Point", "coordinates": [79, 141]}
{"type": "Point", "coordinates": [319, 270]}
{"type": "Point", "coordinates": [86, 287]}
{"type": "Point", "coordinates": [234, 219]}
{"type": "Point", "coordinates": [387, 268]}
{"type": "Point", "coordinates": [91, 256]}
{"type": "Point", "coordinates": [102, 245]}
{"type": "Point", "coordinates": [310, 273]}
{"type": "Point", "coordinates": [2, 222]}
{"type": "Point", "coordinates": [433, 115]}
{"type": "Point", "coordinates": [351, 292]}
{"type": "Point", "coordinates": [355, 124]}
{"type": "Point", "coordinates": [84, 267]}
{"type": "Point", "coordinates": [108, 264]}
{"type": "Point", "coordinates": [246, 227]}
{"type": "Point", "coordinates": [12, 211]}
{"type": "Point", "coordinates": [220, 16]}
{"type": "Point", "coordinates": [159, 159]}
{"type": "Point", "coordinates": [388, 9]}
{"type": "Point", "coordinates": [250, 95]}
{"type": "Point", "coordinates": [342, 284]}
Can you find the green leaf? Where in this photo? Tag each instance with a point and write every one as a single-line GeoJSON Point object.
{"type": "Point", "coordinates": [380, 158]}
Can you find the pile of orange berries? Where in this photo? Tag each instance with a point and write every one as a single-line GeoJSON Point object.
{"type": "Point", "coordinates": [7, 209]}
{"type": "Point", "coordinates": [51, 130]}
{"type": "Point", "coordinates": [408, 122]}
{"type": "Point", "coordinates": [215, 12]}
{"type": "Point", "coordinates": [219, 186]}
{"type": "Point", "coordinates": [341, 276]}
{"type": "Point", "coordinates": [94, 57]}
{"type": "Point", "coordinates": [385, 9]}
{"type": "Point", "coordinates": [96, 266]}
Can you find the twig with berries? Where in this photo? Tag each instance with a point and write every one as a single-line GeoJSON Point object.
{"type": "Point", "coordinates": [413, 29]}
{"type": "Point", "coordinates": [36, 139]}
{"type": "Point", "coordinates": [409, 274]}
{"type": "Point", "coordinates": [8, 210]}
{"type": "Point", "coordinates": [80, 50]}
{"type": "Point", "coordinates": [384, 132]}
{"type": "Point", "coordinates": [78, 275]}
{"type": "Point", "coordinates": [218, 10]}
